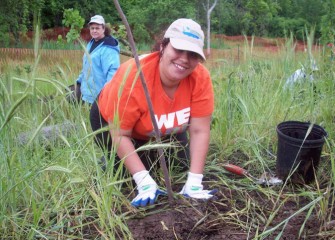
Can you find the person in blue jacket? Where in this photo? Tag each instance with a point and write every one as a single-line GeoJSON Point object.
{"type": "Point", "coordinates": [100, 61]}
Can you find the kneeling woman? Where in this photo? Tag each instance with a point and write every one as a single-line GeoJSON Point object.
{"type": "Point", "coordinates": [181, 92]}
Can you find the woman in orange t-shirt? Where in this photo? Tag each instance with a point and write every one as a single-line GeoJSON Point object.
{"type": "Point", "coordinates": [182, 96]}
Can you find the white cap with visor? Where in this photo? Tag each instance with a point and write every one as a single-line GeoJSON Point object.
{"type": "Point", "coordinates": [186, 34]}
{"type": "Point", "coordinates": [97, 19]}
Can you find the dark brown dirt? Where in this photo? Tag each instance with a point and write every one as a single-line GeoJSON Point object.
{"type": "Point", "coordinates": [225, 218]}
{"type": "Point", "coordinates": [240, 210]}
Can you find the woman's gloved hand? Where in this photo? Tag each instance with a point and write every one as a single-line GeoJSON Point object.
{"type": "Point", "coordinates": [147, 189]}
{"type": "Point", "coordinates": [193, 187]}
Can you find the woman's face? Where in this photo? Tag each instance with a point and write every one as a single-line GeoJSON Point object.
{"type": "Point", "coordinates": [97, 31]}
{"type": "Point", "coordinates": [176, 64]}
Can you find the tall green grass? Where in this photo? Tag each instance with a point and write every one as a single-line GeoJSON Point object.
{"type": "Point", "coordinates": [250, 102]}
{"type": "Point", "coordinates": [55, 188]}
{"type": "Point", "coordinates": [51, 188]}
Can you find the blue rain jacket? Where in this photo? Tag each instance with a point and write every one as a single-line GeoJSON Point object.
{"type": "Point", "coordinates": [98, 67]}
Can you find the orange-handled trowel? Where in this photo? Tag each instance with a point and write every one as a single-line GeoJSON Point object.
{"type": "Point", "coordinates": [266, 178]}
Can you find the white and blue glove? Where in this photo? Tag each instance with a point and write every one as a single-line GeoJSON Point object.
{"type": "Point", "coordinates": [147, 189]}
{"type": "Point", "coordinates": [193, 187]}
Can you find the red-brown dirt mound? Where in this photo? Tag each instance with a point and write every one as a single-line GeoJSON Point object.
{"type": "Point", "coordinates": [270, 44]}
{"type": "Point", "coordinates": [52, 34]}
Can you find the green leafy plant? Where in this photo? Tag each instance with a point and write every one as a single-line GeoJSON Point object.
{"type": "Point", "coordinates": [73, 20]}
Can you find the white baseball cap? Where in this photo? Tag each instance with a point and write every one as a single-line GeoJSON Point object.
{"type": "Point", "coordinates": [186, 34]}
{"type": "Point", "coordinates": [97, 19]}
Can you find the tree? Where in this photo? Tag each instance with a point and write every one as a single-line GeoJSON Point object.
{"type": "Point", "coordinates": [209, 11]}
{"type": "Point", "coordinates": [148, 19]}
{"type": "Point", "coordinates": [258, 16]}
{"type": "Point", "coordinates": [73, 20]}
{"type": "Point", "coordinates": [140, 16]}
{"type": "Point", "coordinates": [328, 23]}
{"type": "Point", "coordinates": [227, 15]}
{"type": "Point", "coordinates": [10, 22]}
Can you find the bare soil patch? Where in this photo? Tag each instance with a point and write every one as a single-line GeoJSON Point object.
{"type": "Point", "coordinates": [240, 210]}
{"type": "Point", "coordinates": [224, 218]}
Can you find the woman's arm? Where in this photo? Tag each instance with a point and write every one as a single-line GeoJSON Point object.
{"type": "Point", "coordinates": [199, 141]}
{"type": "Point", "coordinates": [126, 149]}
{"type": "Point", "coordinates": [147, 187]}
{"type": "Point", "coordinates": [110, 63]}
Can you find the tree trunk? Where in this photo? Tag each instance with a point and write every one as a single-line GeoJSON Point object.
{"type": "Point", "coordinates": [209, 11]}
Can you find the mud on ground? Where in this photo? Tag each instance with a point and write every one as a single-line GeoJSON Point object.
{"type": "Point", "coordinates": [227, 217]}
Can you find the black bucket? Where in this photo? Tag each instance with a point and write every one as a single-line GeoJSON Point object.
{"type": "Point", "coordinates": [296, 158]}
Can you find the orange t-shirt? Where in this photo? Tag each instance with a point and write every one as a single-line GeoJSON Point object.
{"type": "Point", "coordinates": [124, 97]}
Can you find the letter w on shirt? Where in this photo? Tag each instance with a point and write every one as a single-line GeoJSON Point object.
{"type": "Point", "coordinates": [168, 120]}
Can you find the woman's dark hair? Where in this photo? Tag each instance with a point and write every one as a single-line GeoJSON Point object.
{"type": "Point", "coordinates": [163, 44]}
{"type": "Point", "coordinates": [108, 30]}
{"type": "Point", "coordinates": [158, 45]}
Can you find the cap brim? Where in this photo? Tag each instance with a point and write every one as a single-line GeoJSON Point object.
{"type": "Point", "coordinates": [97, 22]}
{"type": "Point", "coordinates": [187, 46]}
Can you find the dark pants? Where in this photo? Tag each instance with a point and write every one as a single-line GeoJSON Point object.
{"type": "Point", "coordinates": [177, 156]}
{"type": "Point", "coordinates": [73, 94]}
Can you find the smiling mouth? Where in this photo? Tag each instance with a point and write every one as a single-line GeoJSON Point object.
{"type": "Point", "coordinates": [180, 67]}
